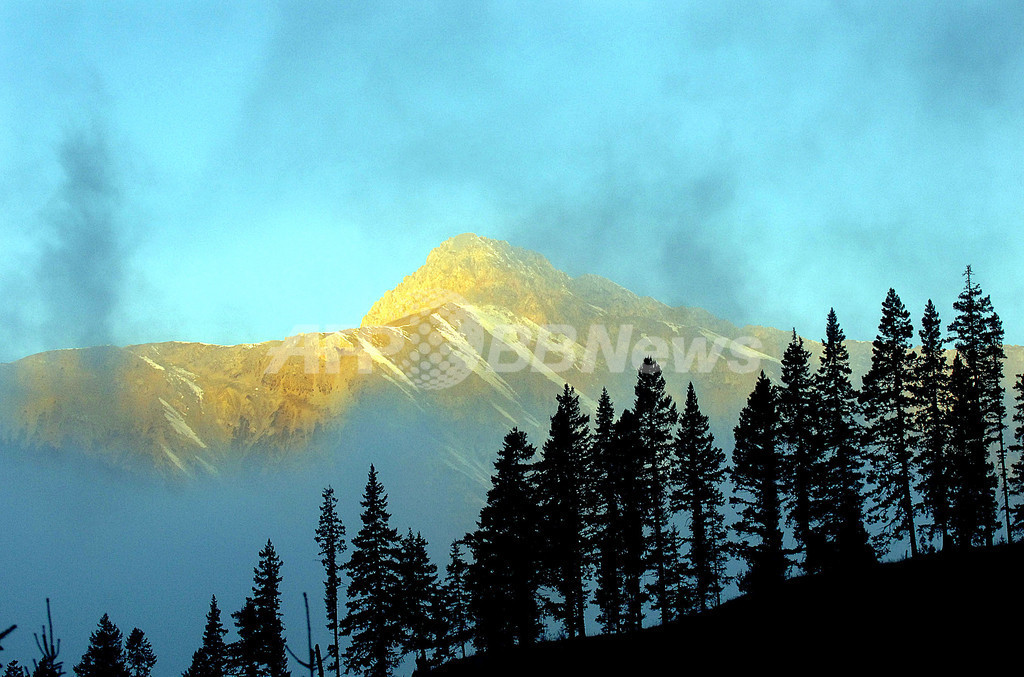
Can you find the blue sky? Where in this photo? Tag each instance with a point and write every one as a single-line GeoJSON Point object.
{"type": "Point", "coordinates": [225, 172]}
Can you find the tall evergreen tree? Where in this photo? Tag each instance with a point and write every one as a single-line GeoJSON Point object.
{"type": "Point", "coordinates": [633, 508]}
{"type": "Point", "coordinates": [699, 471]}
{"type": "Point", "coordinates": [565, 484]}
{"type": "Point", "coordinates": [607, 518]}
{"type": "Point", "coordinates": [930, 399]}
{"type": "Point", "coordinates": [803, 469]}
{"type": "Point", "coordinates": [838, 440]}
{"type": "Point", "coordinates": [973, 479]}
{"type": "Point", "coordinates": [504, 580]}
{"type": "Point", "coordinates": [887, 407]}
{"type": "Point", "coordinates": [330, 536]}
{"type": "Point", "coordinates": [211, 659]}
{"type": "Point", "coordinates": [139, 655]}
{"type": "Point", "coordinates": [419, 600]}
{"type": "Point", "coordinates": [104, 656]}
{"type": "Point", "coordinates": [373, 618]}
{"type": "Point", "coordinates": [655, 417]}
{"type": "Point", "coordinates": [260, 649]}
{"type": "Point", "coordinates": [1017, 479]}
{"type": "Point", "coordinates": [457, 599]}
{"type": "Point", "coordinates": [757, 488]}
{"type": "Point", "coordinates": [977, 335]}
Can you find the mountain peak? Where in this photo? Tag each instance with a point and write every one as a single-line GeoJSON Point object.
{"type": "Point", "coordinates": [479, 270]}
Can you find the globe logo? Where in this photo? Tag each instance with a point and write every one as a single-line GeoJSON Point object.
{"type": "Point", "coordinates": [445, 341]}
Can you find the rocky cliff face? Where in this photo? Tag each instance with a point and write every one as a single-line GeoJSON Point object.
{"type": "Point", "coordinates": [477, 340]}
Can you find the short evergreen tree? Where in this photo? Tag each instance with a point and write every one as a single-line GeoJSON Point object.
{"type": "Point", "coordinates": [373, 619]}
{"type": "Point", "coordinates": [564, 483]}
{"type": "Point", "coordinates": [330, 536]}
{"type": "Point", "coordinates": [14, 669]}
{"type": "Point", "coordinates": [457, 600]}
{"type": "Point", "coordinates": [757, 488]}
{"type": "Point", "coordinates": [139, 655]}
{"type": "Point", "coordinates": [104, 656]}
{"type": "Point", "coordinates": [504, 579]}
{"type": "Point", "coordinates": [211, 659]}
{"type": "Point", "coordinates": [698, 473]}
{"type": "Point", "coordinates": [418, 597]}
{"type": "Point", "coordinates": [887, 407]}
{"type": "Point", "coordinates": [245, 653]}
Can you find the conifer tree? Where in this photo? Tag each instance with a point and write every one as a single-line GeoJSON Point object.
{"type": "Point", "coordinates": [14, 669]}
{"type": "Point", "coordinates": [757, 487]}
{"type": "Point", "coordinates": [633, 508]}
{"type": "Point", "coordinates": [139, 656]}
{"type": "Point", "coordinates": [104, 656]}
{"type": "Point", "coordinates": [655, 418]}
{"type": "Point", "coordinates": [887, 407]}
{"type": "Point", "coordinates": [504, 580]}
{"type": "Point", "coordinates": [418, 597]}
{"type": "Point", "coordinates": [1017, 478]}
{"type": "Point", "coordinates": [930, 400]}
{"type": "Point", "coordinates": [838, 440]}
{"type": "Point", "coordinates": [211, 659]}
{"type": "Point", "coordinates": [457, 599]}
{"type": "Point", "coordinates": [330, 536]}
{"type": "Point", "coordinates": [607, 518]}
{"type": "Point", "coordinates": [564, 483]}
{"type": "Point", "coordinates": [973, 479]}
{"type": "Point", "coordinates": [803, 470]}
{"type": "Point", "coordinates": [373, 618]}
{"type": "Point", "coordinates": [699, 471]}
{"type": "Point", "coordinates": [245, 653]}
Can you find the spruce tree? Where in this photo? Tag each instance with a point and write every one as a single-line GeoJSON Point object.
{"type": "Point", "coordinates": [607, 518]}
{"type": "Point", "coordinates": [211, 659]}
{"type": "Point", "coordinates": [504, 580]}
{"type": "Point", "coordinates": [698, 473]}
{"type": "Point", "coordinates": [104, 656]}
{"type": "Point", "coordinates": [838, 442]}
{"type": "Point", "coordinates": [373, 618]}
{"type": "Point", "coordinates": [803, 470]}
{"type": "Point", "coordinates": [418, 597]}
{"type": "Point", "coordinates": [266, 588]}
{"type": "Point", "coordinates": [245, 653]}
{"type": "Point", "coordinates": [457, 599]}
{"type": "Point", "coordinates": [633, 493]}
{"type": "Point", "coordinates": [139, 656]}
{"type": "Point", "coordinates": [655, 418]}
{"type": "Point", "coordinates": [1016, 480]}
{"type": "Point", "coordinates": [564, 483]}
{"type": "Point", "coordinates": [14, 669]}
{"type": "Point", "coordinates": [330, 536]}
{"type": "Point", "coordinates": [887, 407]}
{"type": "Point", "coordinates": [930, 400]}
{"type": "Point", "coordinates": [757, 490]}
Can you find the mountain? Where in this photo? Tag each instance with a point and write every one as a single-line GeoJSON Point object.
{"type": "Point", "coordinates": [478, 339]}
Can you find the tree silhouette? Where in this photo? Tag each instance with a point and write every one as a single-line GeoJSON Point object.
{"type": "Point", "coordinates": [699, 471]}
{"type": "Point", "coordinates": [838, 439]}
{"type": "Point", "coordinates": [104, 656]}
{"type": "Point", "coordinates": [564, 483]}
{"type": "Point", "coordinates": [930, 399]}
{"type": "Point", "coordinates": [457, 599]}
{"type": "Point", "coordinates": [260, 649]}
{"type": "Point", "coordinates": [1017, 479]}
{"type": "Point", "coordinates": [13, 669]}
{"type": "Point", "coordinates": [419, 600]}
{"type": "Point", "coordinates": [49, 647]}
{"type": "Point", "coordinates": [139, 656]}
{"type": "Point", "coordinates": [330, 536]}
{"type": "Point", "coordinates": [211, 659]}
{"type": "Point", "coordinates": [757, 487]}
{"type": "Point", "coordinates": [655, 417]}
{"type": "Point", "coordinates": [633, 500]}
{"type": "Point", "coordinates": [607, 517]}
{"type": "Point", "coordinates": [373, 613]}
{"type": "Point", "coordinates": [503, 578]}
{"type": "Point", "coordinates": [887, 406]}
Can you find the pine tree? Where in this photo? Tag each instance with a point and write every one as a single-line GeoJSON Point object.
{"type": "Point", "coordinates": [211, 659]}
{"type": "Point", "coordinates": [656, 416]}
{"type": "Point", "coordinates": [139, 656]}
{"type": "Point", "coordinates": [373, 619]}
{"type": "Point", "coordinates": [977, 335]}
{"type": "Point", "coordinates": [887, 407]}
{"type": "Point", "coordinates": [105, 655]}
{"type": "Point", "coordinates": [757, 488]}
{"type": "Point", "coordinates": [973, 479]}
{"type": "Point", "coordinates": [245, 653]}
{"type": "Point", "coordinates": [13, 669]}
{"type": "Point", "coordinates": [838, 441]}
{"type": "Point", "coordinates": [564, 483]}
{"type": "Point", "coordinates": [503, 578]}
{"type": "Point", "coordinates": [607, 517]}
{"type": "Point", "coordinates": [699, 471]}
{"type": "Point", "coordinates": [457, 599]}
{"type": "Point", "coordinates": [1017, 479]}
{"type": "Point", "coordinates": [418, 596]}
{"type": "Point", "coordinates": [633, 493]}
{"type": "Point", "coordinates": [266, 589]}
{"type": "Point", "coordinates": [330, 536]}
{"type": "Point", "coordinates": [930, 399]}
{"type": "Point", "coordinates": [803, 470]}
